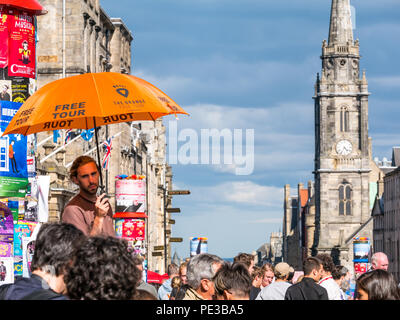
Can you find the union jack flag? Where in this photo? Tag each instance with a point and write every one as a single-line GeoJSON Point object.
{"type": "Point", "coordinates": [107, 148]}
{"type": "Point", "coordinates": [68, 135]}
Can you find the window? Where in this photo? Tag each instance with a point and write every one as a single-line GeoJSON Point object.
{"type": "Point", "coordinates": [344, 119]}
{"type": "Point", "coordinates": [345, 202]}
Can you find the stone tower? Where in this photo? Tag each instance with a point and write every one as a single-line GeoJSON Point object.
{"type": "Point", "coordinates": [342, 153]}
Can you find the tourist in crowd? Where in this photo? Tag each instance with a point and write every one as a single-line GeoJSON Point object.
{"type": "Point", "coordinates": [247, 259]}
{"type": "Point", "coordinates": [377, 285]}
{"type": "Point", "coordinates": [277, 289]}
{"type": "Point", "coordinates": [268, 275]}
{"type": "Point", "coordinates": [176, 284]}
{"type": "Point", "coordinates": [232, 282]}
{"type": "Point", "coordinates": [256, 278]}
{"type": "Point", "coordinates": [200, 271]}
{"type": "Point", "coordinates": [103, 269]}
{"type": "Point", "coordinates": [334, 291]}
{"type": "Point", "coordinates": [164, 291]}
{"type": "Point", "coordinates": [379, 260]}
{"type": "Point", "coordinates": [55, 247]}
{"type": "Point", "coordinates": [339, 274]}
{"type": "Point", "coordinates": [308, 288]}
{"type": "Point", "coordinates": [138, 261]}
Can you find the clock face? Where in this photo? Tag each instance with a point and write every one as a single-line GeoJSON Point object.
{"type": "Point", "coordinates": [344, 147]}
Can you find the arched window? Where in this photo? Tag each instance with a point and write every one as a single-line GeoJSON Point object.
{"type": "Point", "coordinates": [344, 119]}
{"type": "Point", "coordinates": [345, 199]}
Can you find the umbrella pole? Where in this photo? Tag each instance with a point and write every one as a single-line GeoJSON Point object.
{"type": "Point", "coordinates": [98, 156]}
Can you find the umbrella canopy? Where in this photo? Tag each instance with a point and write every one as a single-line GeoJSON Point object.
{"type": "Point", "coordinates": [90, 100]}
{"type": "Point", "coordinates": [29, 5]}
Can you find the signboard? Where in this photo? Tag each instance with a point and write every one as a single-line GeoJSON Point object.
{"type": "Point", "coordinates": [198, 246]}
{"type": "Point", "coordinates": [130, 195]}
{"type": "Point", "coordinates": [173, 210]}
{"type": "Point", "coordinates": [176, 240]}
{"type": "Point", "coordinates": [13, 156]}
{"type": "Point", "coordinates": [21, 53]}
{"type": "Point", "coordinates": [178, 192]}
{"type": "Point", "coordinates": [4, 18]}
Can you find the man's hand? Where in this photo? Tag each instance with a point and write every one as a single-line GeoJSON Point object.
{"type": "Point", "coordinates": [102, 206]}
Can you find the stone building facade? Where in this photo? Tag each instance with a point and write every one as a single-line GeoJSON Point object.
{"type": "Point", "coordinates": [86, 39]}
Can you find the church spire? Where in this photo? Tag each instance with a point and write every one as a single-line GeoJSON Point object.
{"type": "Point", "coordinates": [341, 29]}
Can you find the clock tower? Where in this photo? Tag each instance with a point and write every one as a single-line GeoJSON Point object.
{"type": "Point", "coordinates": [342, 153]}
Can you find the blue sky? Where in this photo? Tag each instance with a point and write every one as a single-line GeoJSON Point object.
{"type": "Point", "coordinates": [252, 64]}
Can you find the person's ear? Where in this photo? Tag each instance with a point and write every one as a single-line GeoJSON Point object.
{"type": "Point", "coordinates": [74, 179]}
{"type": "Point", "coordinates": [227, 295]}
{"type": "Point", "coordinates": [204, 283]}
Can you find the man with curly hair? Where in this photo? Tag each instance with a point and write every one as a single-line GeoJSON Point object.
{"type": "Point", "coordinates": [327, 281]}
{"type": "Point", "coordinates": [103, 269]}
{"type": "Point", "coordinates": [55, 246]}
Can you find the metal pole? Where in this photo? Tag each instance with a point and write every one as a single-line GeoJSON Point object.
{"type": "Point", "coordinates": [98, 156]}
{"type": "Point", "coordinates": [63, 40]}
{"type": "Point", "coordinates": [165, 229]}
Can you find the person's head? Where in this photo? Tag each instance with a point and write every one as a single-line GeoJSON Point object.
{"type": "Point", "coordinates": [176, 282]}
{"type": "Point", "coordinates": [138, 261]}
{"type": "Point", "coordinates": [379, 260]}
{"type": "Point", "coordinates": [281, 271]}
{"type": "Point", "coordinates": [339, 274]}
{"type": "Point", "coordinates": [377, 285]}
{"type": "Point", "coordinates": [291, 274]}
{"type": "Point", "coordinates": [256, 276]}
{"type": "Point", "coordinates": [144, 295]}
{"type": "Point", "coordinates": [172, 270]}
{"type": "Point", "coordinates": [25, 45]}
{"type": "Point", "coordinates": [5, 88]}
{"type": "Point", "coordinates": [327, 264]}
{"type": "Point", "coordinates": [182, 272]}
{"type": "Point", "coordinates": [55, 248]}
{"type": "Point", "coordinates": [103, 269]}
{"type": "Point", "coordinates": [200, 271]}
{"type": "Point", "coordinates": [312, 268]}
{"type": "Point", "coordinates": [268, 274]}
{"type": "Point", "coordinates": [85, 173]}
{"type": "Point", "coordinates": [246, 259]}
{"type": "Point", "coordinates": [232, 282]}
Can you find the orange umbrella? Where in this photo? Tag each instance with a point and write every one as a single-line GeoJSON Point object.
{"type": "Point", "coordinates": [90, 100]}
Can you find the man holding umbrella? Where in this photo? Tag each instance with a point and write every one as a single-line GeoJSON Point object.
{"type": "Point", "coordinates": [88, 212]}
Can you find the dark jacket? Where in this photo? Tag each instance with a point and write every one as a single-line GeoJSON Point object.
{"type": "Point", "coordinates": [254, 291]}
{"type": "Point", "coordinates": [25, 287]}
{"type": "Point", "coordinates": [307, 289]}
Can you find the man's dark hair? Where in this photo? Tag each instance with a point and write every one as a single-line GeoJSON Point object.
{"type": "Point", "coordinates": [234, 278]}
{"type": "Point", "coordinates": [245, 258]}
{"type": "Point", "coordinates": [137, 259]}
{"type": "Point", "coordinates": [172, 269]}
{"type": "Point", "coordinates": [310, 264]}
{"type": "Point", "coordinates": [103, 270]}
{"type": "Point", "coordinates": [327, 262]}
{"type": "Point", "coordinates": [55, 247]}
{"type": "Point", "coordinates": [340, 271]}
{"type": "Point", "coordinates": [257, 272]}
{"type": "Point", "coordinates": [81, 161]}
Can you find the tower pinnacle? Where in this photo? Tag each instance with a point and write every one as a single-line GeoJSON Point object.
{"type": "Point", "coordinates": [341, 29]}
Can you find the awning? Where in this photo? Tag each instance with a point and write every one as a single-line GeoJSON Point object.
{"type": "Point", "coordinates": [32, 6]}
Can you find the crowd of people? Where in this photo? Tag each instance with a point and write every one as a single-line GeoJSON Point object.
{"type": "Point", "coordinates": [80, 258]}
{"type": "Point", "coordinates": [69, 265]}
